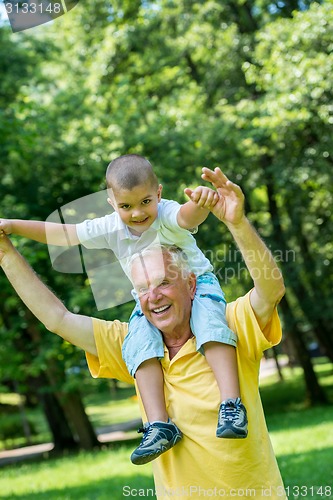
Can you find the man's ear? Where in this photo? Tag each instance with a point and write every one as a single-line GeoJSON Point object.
{"type": "Point", "coordinates": [192, 282]}
{"type": "Point", "coordinates": [159, 192]}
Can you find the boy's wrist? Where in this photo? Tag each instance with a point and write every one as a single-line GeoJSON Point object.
{"type": "Point", "coordinates": [196, 208]}
{"type": "Point", "coordinates": [198, 214]}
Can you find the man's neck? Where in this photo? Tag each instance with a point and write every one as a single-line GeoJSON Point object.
{"type": "Point", "coordinates": [175, 342]}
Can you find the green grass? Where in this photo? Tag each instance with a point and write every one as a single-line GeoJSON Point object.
{"type": "Point", "coordinates": [106, 409]}
{"type": "Point", "coordinates": [101, 475]}
{"type": "Point", "coordinates": [302, 439]}
{"type": "Point", "coordinates": [302, 436]}
{"type": "Point", "coordinates": [11, 433]}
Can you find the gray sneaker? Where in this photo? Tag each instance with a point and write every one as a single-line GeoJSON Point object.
{"type": "Point", "coordinates": [158, 437]}
{"type": "Point", "coordinates": [232, 420]}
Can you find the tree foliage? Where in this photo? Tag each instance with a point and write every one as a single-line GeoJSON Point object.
{"type": "Point", "coordinates": [244, 85]}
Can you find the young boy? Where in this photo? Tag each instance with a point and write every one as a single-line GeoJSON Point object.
{"type": "Point", "coordinates": [141, 218]}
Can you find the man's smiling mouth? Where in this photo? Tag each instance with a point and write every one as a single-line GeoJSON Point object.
{"type": "Point", "coordinates": [161, 309]}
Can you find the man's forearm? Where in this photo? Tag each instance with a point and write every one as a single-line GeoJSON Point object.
{"type": "Point", "coordinates": [74, 328]}
{"type": "Point", "coordinates": [262, 267]}
{"type": "Point", "coordinates": [37, 297]}
{"type": "Point", "coordinates": [267, 278]}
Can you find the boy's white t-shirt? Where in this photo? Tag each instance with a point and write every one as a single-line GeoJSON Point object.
{"type": "Point", "coordinates": [110, 232]}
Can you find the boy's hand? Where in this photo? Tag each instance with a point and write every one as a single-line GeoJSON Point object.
{"type": "Point", "coordinates": [5, 226]}
{"type": "Point", "coordinates": [230, 205]}
{"type": "Point", "coordinates": [203, 196]}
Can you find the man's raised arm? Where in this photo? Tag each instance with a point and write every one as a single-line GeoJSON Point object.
{"type": "Point", "coordinates": [74, 328]}
{"type": "Point", "coordinates": [267, 278]}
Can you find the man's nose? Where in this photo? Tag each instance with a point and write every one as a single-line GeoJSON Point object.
{"type": "Point", "coordinates": [154, 294]}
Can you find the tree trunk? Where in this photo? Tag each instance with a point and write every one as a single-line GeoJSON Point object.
{"type": "Point", "coordinates": [54, 414]}
{"type": "Point", "coordinates": [315, 295]}
{"type": "Point", "coordinates": [277, 364]}
{"type": "Point", "coordinates": [242, 16]}
{"type": "Point", "coordinates": [70, 402]}
{"type": "Point", "coordinates": [73, 407]}
{"type": "Point", "coordinates": [293, 279]}
{"type": "Point", "coordinates": [25, 421]}
{"type": "Point", "coordinates": [63, 438]}
{"type": "Point", "coordinates": [75, 412]}
{"type": "Point", "coordinates": [314, 392]}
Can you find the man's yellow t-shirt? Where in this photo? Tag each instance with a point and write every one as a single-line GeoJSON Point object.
{"type": "Point", "coordinates": [202, 465]}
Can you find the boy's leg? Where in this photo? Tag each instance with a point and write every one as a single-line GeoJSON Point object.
{"type": "Point", "coordinates": [150, 382]}
{"type": "Point", "coordinates": [215, 339]}
{"type": "Point", "coordinates": [142, 348]}
{"type": "Point", "coordinates": [223, 362]}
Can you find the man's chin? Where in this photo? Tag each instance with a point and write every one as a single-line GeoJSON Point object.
{"type": "Point", "coordinates": [162, 324]}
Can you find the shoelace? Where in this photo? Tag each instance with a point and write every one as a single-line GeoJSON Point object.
{"type": "Point", "coordinates": [146, 432]}
{"type": "Point", "coordinates": [227, 411]}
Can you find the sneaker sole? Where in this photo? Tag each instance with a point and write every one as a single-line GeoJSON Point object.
{"type": "Point", "coordinates": [230, 434]}
{"type": "Point", "coordinates": [145, 459]}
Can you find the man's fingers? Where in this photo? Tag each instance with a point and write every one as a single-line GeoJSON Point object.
{"type": "Point", "coordinates": [234, 187]}
{"type": "Point", "coordinates": [216, 177]}
{"type": "Point", "coordinates": [218, 172]}
{"type": "Point", "coordinates": [221, 182]}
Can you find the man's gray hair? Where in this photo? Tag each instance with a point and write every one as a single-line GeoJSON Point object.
{"type": "Point", "coordinates": [177, 256]}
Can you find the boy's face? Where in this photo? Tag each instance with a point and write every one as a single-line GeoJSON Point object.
{"type": "Point", "coordinates": [136, 207]}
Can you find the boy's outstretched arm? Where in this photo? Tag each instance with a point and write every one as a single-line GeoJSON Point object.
{"type": "Point", "coordinates": [192, 213]}
{"type": "Point", "coordinates": [44, 232]}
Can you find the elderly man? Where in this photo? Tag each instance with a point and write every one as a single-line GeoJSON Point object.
{"type": "Point", "coordinates": [200, 465]}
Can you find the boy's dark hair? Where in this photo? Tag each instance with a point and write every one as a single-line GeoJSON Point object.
{"type": "Point", "coordinates": [128, 171]}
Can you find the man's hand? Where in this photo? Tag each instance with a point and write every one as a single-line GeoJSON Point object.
{"type": "Point", "coordinates": [5, 245]}
{"type": "Point", "coordinates": [230, 205]}
{"type": "Point", "coordinates": [6, 226]}
{"type": "Point", "coordinates": [203, 196]}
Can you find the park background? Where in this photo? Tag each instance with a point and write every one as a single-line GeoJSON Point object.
{"type": "Point", "coordinates": [245, 85]}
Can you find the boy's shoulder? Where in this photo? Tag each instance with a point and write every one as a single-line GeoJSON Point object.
{"type": "Point", "coordinates": [167, 208]}
{"type": "Point", "coordinates": [107, 222]}
{"type": "Point", "coordinates": [166, 203]}
{"type": "Point", "coordinates": [110, 218]}
{"type": "Point", "coordinates": [167, 214]}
